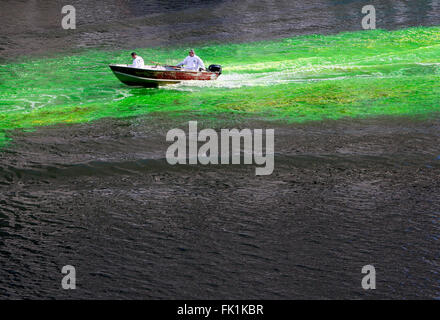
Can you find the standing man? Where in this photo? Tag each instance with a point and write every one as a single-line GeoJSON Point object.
{"type": "Point", "coordinates": [192, 62]}
{"type": "Point", "coordinates": [138, 62]}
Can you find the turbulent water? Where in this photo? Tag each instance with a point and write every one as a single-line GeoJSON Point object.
{"type": "Point", "coordinates": [294, 79]}
{"type": "Point", "coordinates": [84, 182]}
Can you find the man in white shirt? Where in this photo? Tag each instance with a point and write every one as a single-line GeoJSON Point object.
{"type": "Point", "coordinates": [138, 62]}
{"type": "Point", "coordinates": [192, 62]}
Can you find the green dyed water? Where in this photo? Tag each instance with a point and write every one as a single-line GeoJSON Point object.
{"type": "Point", "coordinates": [356, 74]}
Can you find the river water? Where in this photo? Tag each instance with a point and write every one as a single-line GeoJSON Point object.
{"type": "Point", "coordinates": [84, 180]}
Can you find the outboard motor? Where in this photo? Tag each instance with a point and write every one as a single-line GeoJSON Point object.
{"type": "Point", "coordinates": [215, 68]}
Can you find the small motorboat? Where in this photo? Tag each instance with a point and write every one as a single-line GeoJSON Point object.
{"type": "Point", "coordinates": [158, 75]}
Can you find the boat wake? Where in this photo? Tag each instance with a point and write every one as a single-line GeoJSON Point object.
{"type": "Point", "coordinates": [308, 73]}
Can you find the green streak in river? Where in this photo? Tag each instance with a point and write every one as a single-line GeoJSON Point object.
{"type": "Point", "coordinates": [307, 78]}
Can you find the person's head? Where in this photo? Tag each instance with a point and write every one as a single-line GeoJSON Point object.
{"type": "Point", "coordinates": [133, 55]}
{"type": "Point", "coordinates": [191, 53]}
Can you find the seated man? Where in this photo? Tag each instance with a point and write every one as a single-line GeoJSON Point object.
{"type": "Point", "coordinates": [192, 62]}
{"type": "Point", "coordinates": [138, 62]}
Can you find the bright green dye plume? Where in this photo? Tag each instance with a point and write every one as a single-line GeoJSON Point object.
{"type": "Point", "coordinates": [306, 78]}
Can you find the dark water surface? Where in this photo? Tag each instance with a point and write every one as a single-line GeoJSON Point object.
{"type": "Point", "coordinates": [101, 197]}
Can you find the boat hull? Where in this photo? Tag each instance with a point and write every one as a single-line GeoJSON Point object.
{"type": "Point", "coordinates": [151, 76]}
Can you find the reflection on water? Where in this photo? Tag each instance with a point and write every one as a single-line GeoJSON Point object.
{"type": "Point", "coordinates": [31, 27]}
{"type": "Point", "coordinates": [101, 197]}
